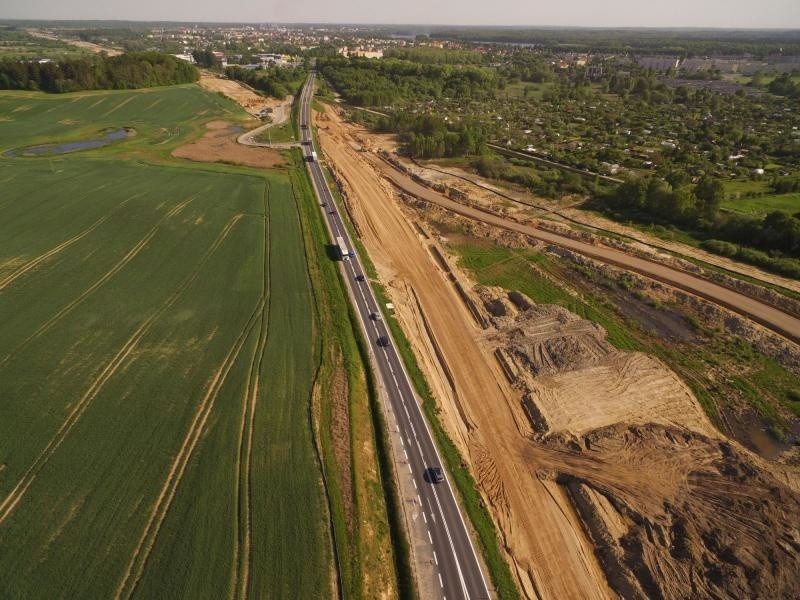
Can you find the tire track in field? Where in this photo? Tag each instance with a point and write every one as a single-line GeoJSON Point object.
{"type": "Point", "coordinates": [144, 547]}
{"type": "Point", "coordinates": [121, 104]}
{"type": "Point", "coordinates": [132, 253]}
{"type": "Point", "coordinates": [35, 262]}
{"type": "Point", "coordinates": [15, 496]}
{"type": "Point", "coordinates": [242, 553]}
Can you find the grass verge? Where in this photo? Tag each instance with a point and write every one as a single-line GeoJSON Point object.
{"type": "Point", "coordinates": [364, 549]}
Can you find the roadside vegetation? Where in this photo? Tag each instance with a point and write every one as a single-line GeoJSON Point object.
{"type": "Point", "coordinates": [469, 496]}
{"type": "Point", "coordinates": [367, 523]}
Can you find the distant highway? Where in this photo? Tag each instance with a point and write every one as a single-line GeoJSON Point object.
{"type": "Point", "coordinates": [456, 565]}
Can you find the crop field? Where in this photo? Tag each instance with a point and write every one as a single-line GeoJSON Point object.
{"type": "Point", "coordinates": [158, 354]}
{"type": "Point", "coordinates": [155, 390]}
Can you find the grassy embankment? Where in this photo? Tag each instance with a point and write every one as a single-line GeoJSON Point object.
{"type": "Point", "coordinates": [372, 549]}
{"type": "Point", "coordinates": [756, 198]}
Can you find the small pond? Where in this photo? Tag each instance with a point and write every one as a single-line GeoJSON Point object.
{"type": "Point", "coordinates": [66, 147]}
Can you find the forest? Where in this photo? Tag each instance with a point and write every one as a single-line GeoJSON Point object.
{"type": "Point", "coordinates": [277, 82]}
{"type": "Point", "coordinates": [126, 71]}
{"type": "Point", "coordinates": [389, 81]}
{"type": "Point", "coordinates": [771, 241]}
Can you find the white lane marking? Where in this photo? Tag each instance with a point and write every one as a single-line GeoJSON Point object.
{"type": "Point", "coordinates": [414, 481]}
{"type": "Point", "coordinates": [430, 537]}
{"type": "Point", "coordinates": [435, 559]}
{"type": "Point", "coordinates": [424, 518]}
{"type": "Point", "coordinates": [409, 469]}
{"type": "Point", "coordinates": [441, 585]}
{"type": "Point", "coordinates": [452, 547]}
{"type": "Point", "coordinates": [404, 450]}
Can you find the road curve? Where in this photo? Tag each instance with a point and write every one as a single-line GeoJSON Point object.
{"type": "Point", "coordinates": [455, 566]}
{"type": "Point", "coordinates": [764, 314]}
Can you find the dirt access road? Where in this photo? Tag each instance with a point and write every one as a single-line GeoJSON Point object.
{"type": "Point", "coordinates": [77, 43]}
{"type": "Point", "coordinates": [548, 550]}
{"type": "Point", "coordinates": [764, 314]}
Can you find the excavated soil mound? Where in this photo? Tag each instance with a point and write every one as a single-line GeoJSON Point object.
{"type": "Point", "coordinates": [575, 380]}
{"type": "Point", "coordinates": [675, 514]}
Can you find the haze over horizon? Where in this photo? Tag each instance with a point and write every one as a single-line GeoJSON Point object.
{"type": "Point", "coordinates": [782, 14]}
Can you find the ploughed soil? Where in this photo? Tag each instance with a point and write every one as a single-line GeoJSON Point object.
{"type": "Point", "coordinates": [219, 145]}
{"type": "Point", "coordinates": [601, 470]}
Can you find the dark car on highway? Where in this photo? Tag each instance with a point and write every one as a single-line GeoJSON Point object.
{"type": "Point", "coordinates": [435, 474]}
{"type": "Point", "coordinates": [383, 341]}
{"type": "Point", "coordinates": [359, 277]}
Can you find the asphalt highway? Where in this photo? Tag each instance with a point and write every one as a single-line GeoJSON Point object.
{"type": "Point", "coordinates": [455, 562]}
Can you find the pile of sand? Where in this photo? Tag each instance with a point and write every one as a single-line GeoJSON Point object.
{"type": "Point", "coordinates": [675, 514]}
{"type": "Point", "coordinates": [574, 380]}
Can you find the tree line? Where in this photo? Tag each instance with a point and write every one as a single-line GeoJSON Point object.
{"type": "Point", "coordinates": [429, 136]}
{"type": "Point", "coordinates": [365, 82]}
{"type": "Point", "coordinates": [772, 241]}
{"type": "Point", "coordinates": [100, 72]}
{"type": "Point", "coordinates": [277, 82]}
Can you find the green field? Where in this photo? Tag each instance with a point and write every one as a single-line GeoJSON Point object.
{"type": "Point", "coordinates": [756, 198]}
{"type": "Point", "coordinates": [161, 117]}
{"type": "Point", "coordinates": [160, 347]}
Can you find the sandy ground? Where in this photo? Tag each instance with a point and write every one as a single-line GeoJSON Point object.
{"type": "Point", "coordinates": [549, 553]}
{"type": "Point", "coordinates": [492, 195]}
{"type": "Point", "coordinates": [219, 145]}
{"type": "Point", "coordinates": [578, 381]}
{"type": "Point", "coordinates": [742, 302]}
{"type": "Point", "coordinates": [245, 96]}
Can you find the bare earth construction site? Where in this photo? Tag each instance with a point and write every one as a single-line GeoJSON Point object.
{"type": "Point", "coordinates": [601, 468]}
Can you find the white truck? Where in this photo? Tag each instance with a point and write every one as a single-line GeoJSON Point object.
{"type": "Point", "coordinates": [341, 248]}
{"type": "Point", "coordinates": [313, 156]}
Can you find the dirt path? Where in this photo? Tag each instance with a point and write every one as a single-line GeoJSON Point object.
{"type": "Point", "coordinates": [242, 550]}
{"type": "Point", "coordinates": [35, 262]}
{"type": "Point", "coordinates": [280, 114]}
{"type": "Point", "coordinates": [245, 96]}
{"type": "Point", "coordinates": [96, 48]}
{"type": "Point", "coordinates": [548, 550]}
{"type": "Point", "coordinates": [159, 511]}
{"type": "Point", "coordinates": [473, 183]}
{"type": "Point", "coordinates": [786, 325]}
{"type": "Point", "coordinates": [129, 256]}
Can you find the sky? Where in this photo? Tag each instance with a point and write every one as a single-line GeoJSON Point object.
{"type": "Point", "coordinates": [609, 13]}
